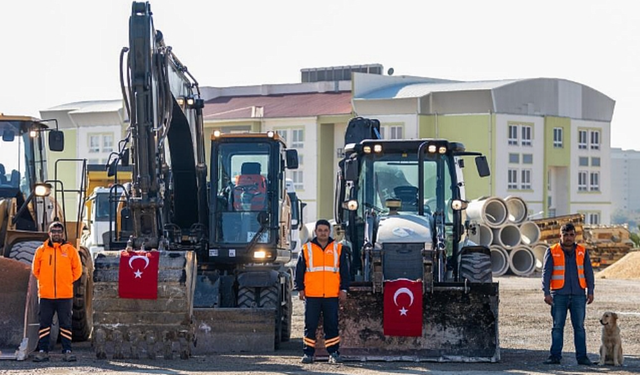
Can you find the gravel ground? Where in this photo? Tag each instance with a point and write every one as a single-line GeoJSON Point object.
{"type": "Point", "coordinates": [525, 326]}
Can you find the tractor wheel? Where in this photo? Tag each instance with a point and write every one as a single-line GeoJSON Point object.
{"type": "Point", "coordinates": [82, 321]}
{"type": "Point", "coordinates": [476, 268]}
{"type": "Point", "coordinates": [287, 310]}
{"type": "Point", "coordinates": [247, 297]}
{"type": "Point", "coordinates": [270, 297]}
{"type": "Point", "coordinates": [24, 251]}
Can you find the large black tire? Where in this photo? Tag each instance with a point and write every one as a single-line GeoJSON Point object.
{"type": "Point", "coordinates": [24, 251]}
{"type": "Point", "coordinates": [247, 297]}
{"type": "Point", "coordinates": [476, 267]}
{"type": "Point", "coordinates": [82, 321]}
{"type": "Point", "coordinates": [287, 311]}
{"type": "Point", "coordinates": [270, 297]}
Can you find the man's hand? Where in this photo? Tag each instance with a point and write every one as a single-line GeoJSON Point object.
{"type": "Point", "coordinates": [548, 300]}
{"type": "Point", "coordinates": [301, 295]}
{"type": "Point", "coordinates": [343, 295]}
{"type": "Point", "coordinates": [589, 299]}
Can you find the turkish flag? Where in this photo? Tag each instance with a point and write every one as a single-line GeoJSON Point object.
{"type": "Point", "coordinates": [138, 274]}
{"type": "Point", "coordinates": [402, 308]}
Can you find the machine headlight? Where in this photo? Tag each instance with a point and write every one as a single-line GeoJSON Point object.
{"type": "Point", "coordinates": [458, 205]}
{"type": "Point", "coordinates": [271, 134]}
{"type": "Point", "coordinates": [260, 254]}
{"type": "Point", "coordinates": [431, 149]}
{"type": "Point", "coordinates": [43, 190]}
{"type": "Point", "coordinates": [352, 205]}
{"type": "Point", "coordinates": [217, 133]}
{"type": "Point", "coordinates": [366, 149]}
{"type": "Point", "coordinates": [377, 148]}
{"type": "Point", "coordinates": [442, 150]}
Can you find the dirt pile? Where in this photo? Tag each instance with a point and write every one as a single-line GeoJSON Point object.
{"type": "Point", "coordinates": [628, 267]}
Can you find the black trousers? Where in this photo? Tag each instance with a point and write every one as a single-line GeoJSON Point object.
{"type": "Point", "coordinates": [329, 309]}
{"type": "Point", "coordinates": [64, 308]}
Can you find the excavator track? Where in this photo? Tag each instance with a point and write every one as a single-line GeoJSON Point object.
{"type": "Point", "coordinates": [135, 328]}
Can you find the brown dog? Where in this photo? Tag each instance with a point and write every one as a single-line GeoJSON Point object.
{"type": "Point", "coordinates": [611, 348]}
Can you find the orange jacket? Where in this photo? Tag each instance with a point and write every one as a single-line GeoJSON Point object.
{"type": "Point", "coordinates": [56, 266]}
{"type": "Point", "coordinates": [557, 276]}
{"type": "Point", "coordinates": [322, 275]}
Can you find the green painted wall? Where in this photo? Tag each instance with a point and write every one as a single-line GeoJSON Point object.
{"type": "Point", "coordinates": [556, 156]}
{"type": "Point", "coordinates": [325, 171]}
{"type": "Point", "coordinates": [476, 132]}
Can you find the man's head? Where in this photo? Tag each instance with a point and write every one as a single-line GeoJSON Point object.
{"type": "Point", "coordinates": [568, 234]}
{"type": "Point", "coordinates": [323, 229]}
{"type": "Point", "coordinates": [56, 232]}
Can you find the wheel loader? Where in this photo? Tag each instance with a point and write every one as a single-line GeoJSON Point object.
{"type": "Point", "coordinates": [222, 242]}
{"type": "Point", "coordinates": [400, 206]}
{"type": "Point", "coordinates": [29, 201]}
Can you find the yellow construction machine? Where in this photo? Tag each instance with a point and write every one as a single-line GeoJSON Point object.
{"type": "Point", "coordinates": [29, 201]}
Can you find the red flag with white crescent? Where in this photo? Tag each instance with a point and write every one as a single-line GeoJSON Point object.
{"type": "Point", "coordinates": [402, 308]}
{"type": "Point", "coordinates": [138, 274]}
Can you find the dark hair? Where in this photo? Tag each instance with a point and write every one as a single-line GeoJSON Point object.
{"type": "Point", "coordinates": [323, 222]}
{"type": "Point", "coordinates": [568, 227]}
{"type": "Point", "coordinates": [56, 224]}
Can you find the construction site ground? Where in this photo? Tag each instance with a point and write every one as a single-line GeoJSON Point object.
{"type": "Point", "coordinates": [525, 326]}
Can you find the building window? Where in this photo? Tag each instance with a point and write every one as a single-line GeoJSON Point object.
{"type": "Point", "coordinates": [582, 139]}
{"type": "Point", "coordinates": [298, 180]}
{"type": "Point", "coordinates": [391, 132]}
{"type": "Point", "coordinates": [557, 137]}
{"type": "Point", "coordinates": [594, 181]}
{"type": "Point", "coordinates": [94, 143]}
{"type": "Point", "coordinates": [297, 140]}
{"type": "Point", "coordinates": [527, 158]}
{"type": "Point", "coordinates": [526, 135]}
{"type": "Point", "coordinates": [514, 158]}
{"type": "Point", "coordinates": [582, 181]}
{"type": "Point", "coordinates": [583, 161]}
{"type": "Point", "coordinates": [593, 218]}
{"type": "Point", "coordinates": [100, 142]}
{"type": "Point", "coordinates": [513, 135]}
{"type": "Point", "coordinates": [526, 179]}
{"type": "Point", "coordinates": [513, 179]}
{"type": "Point", "coordinates": [595, 139]}
{"type": "Point", "coordinates": [107, 143]}
{"type": "Point", "coordinates": [595, 162]}
{"type": "Point", "coordinates": [283, 133]}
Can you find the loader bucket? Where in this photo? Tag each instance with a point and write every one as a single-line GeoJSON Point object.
{"type": "Point", "coordinates": [19, 312]}
{"type": "Point", "coordinates": [460, 324]}
{"type": "Point", "coordinates": [224, 330]}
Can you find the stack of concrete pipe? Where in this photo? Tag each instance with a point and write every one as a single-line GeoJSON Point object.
{"type": "Point", "coordinates": [502, 225]}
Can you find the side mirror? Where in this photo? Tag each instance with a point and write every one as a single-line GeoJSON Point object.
{"type": "Point", "coordinates": [483, 166]}
{"type": "Point", "coordinates": [351, 170]}
{"type": "Point", "coordinates": [292, 159]}
{"type": "Point", "coordinates": [124, 159]}
{"type": "Point", "coordinates": [56, 140]}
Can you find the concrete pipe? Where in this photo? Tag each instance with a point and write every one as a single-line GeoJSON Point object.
{"type": "Point", "coordinates": [507, 236]}
{"type": "Point", "coordinates": [539, 250]}
{"type": "Point", "coordinates": [490, 211]}
{"type": "Point", "coordinates": [481, 234]}
{"type": "Point", "coordinates": [517, 209]}
{"type": "Point", "coordinates": [521, 261]}
{"type": "Point", "coordinates": [499, 260]}
{"type": "Point", "coordinates": [529, 233]}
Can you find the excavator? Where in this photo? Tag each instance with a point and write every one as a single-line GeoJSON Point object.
{"type": "Point", "coordinates": [222, 243]}
{"type": "Point", "coordinates": [29, 202]}
{"type": "Point", "coordinates": [400, 205]}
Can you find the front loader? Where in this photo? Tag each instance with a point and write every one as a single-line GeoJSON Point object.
{"type": "Point", "coordinates": [400, 204]}
{"type": "Point", "coordinates": [29, 202]}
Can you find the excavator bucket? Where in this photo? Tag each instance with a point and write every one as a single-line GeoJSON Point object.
{"type": "Point", "coordinates": [19, 311]}
{"type": "Point", "coordinates": [460, 324]}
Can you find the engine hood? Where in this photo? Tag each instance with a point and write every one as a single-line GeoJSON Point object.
{"type": "Point", "coordinates": [404, 228]}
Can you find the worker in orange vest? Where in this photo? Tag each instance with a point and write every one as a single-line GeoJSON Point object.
{"type": "Point", "coordinates": [322, 280]}
{"type": "Point", "coordinates": [567, 283]}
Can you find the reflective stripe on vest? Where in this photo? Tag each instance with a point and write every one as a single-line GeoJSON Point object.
{"type": "Point", "coordinates": [310, 266]}
{"type": "Point", "coordinates": [557, 276]}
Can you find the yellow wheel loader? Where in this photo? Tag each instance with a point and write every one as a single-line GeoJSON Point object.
{"type": "Point", "coordinates": [29, 201]}
{"type": "Point", "coordinates": [400, 205]}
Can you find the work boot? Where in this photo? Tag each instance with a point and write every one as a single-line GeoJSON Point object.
{"type": "Point", "coordinates": [67, 356]}
{"type": "Point", "coordinates": [585, 361]}
{"type": "Point", "coordinates": [41, 356]}
{"type": "Point", "coordinates": [552, 361]}
{"type": "Point", "coordinates": [306, 359]}
{"type": "Point", "coordinates": [335, 358]}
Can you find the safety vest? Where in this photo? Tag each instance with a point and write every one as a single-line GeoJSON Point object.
{"type": "Point", "coordinates": [322, 275]}
{"type": "Point", "coordinates": [557, 276]}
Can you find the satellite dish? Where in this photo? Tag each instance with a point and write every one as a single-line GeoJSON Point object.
{"type": "Point", "coordinates": [390, 71]}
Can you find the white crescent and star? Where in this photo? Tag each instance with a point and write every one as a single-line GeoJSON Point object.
{"type": "Point", "coordinates": [400, 291]}
{"type": "Point", "coordinates": [138, 273]}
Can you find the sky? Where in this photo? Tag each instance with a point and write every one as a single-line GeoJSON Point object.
{"type": "Point", "coordinates": [61, 51]}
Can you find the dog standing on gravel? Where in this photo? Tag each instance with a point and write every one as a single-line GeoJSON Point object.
{"type": "Point", "coordinates": [611, 347]}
